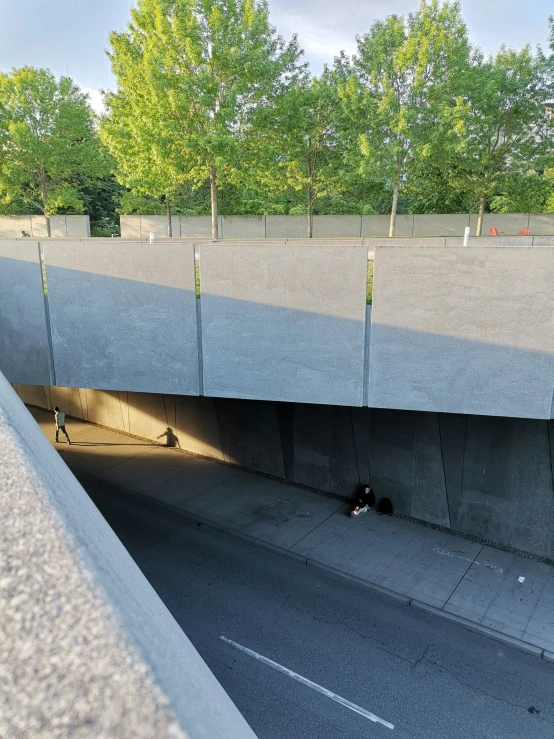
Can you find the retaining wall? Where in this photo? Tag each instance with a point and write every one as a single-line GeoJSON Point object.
{"type": "Point", "coordinates": [485, 476]}
{"type": "Point", "coordinates": [61, 226]}
{"type": "Point", "coordinates": [327, 227]}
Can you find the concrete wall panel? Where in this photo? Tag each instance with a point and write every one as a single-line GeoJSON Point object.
{"type": "Point", "coordinates": [453, 430]}
{"type": "Point", "coordinates": [12, 226]}
{"type": "Point", "coordinates": [24, 347]}
{"type": "Point", "coordinates": [197, 426]}
{"type": "Point", "coordinates": [463, 331]}
{"type": "Point", "coordinates": [105, 408]}
{"type": "Point", "coordinates": [130, 227]}
{"type": "Point", "coordinates": [329, 227]}
{"type": "Point", "coordinates": [77, 226]}
{"type": "Point", "coordinates": [375, 226]}
{"type": "Point", "coordinates": [533, 515]}
{"type": "Point", "coordinates": [58, 227]}
{"type": "Point", "coordinates": [38, 225]}
{"type": "Point", "coordinates": [154, 224]}
{"type": "Point", "coordinates": [289, 227]}
{"type": "Point", "coordinates": [361, 427]}
{"type": "Point", "coordinates": [440, 225]}
{"type": "Point", "coordinates": [325, 449]}
{"type": "Point", "coordinates": [33, 395]}
{"type": "Point", "coordinates": [250, 435]}
{"type": "Point", "coordinates": [429, 499]}
{"type": "Point", "coordinates": [508, 223]}
{"type": "Point", "coordinates": [198, 226]}
{"type": "Point", "coordinates": [243, 227]}
{"type": "Point", "coordinates": [406, 464]}
{"type": "Point", "coordinates": [69, 399]}
{"type": "Point", "coordinates": [541, 224]}
{"type": "Point", "coordinates": [124, 316]}
{"type": "Point", "coordinates": [284, 324]}
{"type": "Point", "coordinates": [148, 415]}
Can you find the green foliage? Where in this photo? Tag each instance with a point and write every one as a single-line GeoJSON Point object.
{"type": "Point", "coordinates": [497, 134]}
{"type": "Point", "coordinates": [300, 142]}
{"type": "Point", "coordinates": [400, 79]}
{"type": "Point", "coordinates": [190, 73]}
{"type": "Point", "coordinates": [49, 148]}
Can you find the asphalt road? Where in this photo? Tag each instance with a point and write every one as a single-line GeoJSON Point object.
{"type": "Point", "coordinates": [427, 677]}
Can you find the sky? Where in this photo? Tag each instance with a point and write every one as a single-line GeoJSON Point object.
{"type": "Point", "coordinates": [71, 36]}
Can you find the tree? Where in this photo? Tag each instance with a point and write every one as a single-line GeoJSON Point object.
{"type": "Point", "coordinates": [302, 152]}
{"type": "Point", "coordinates": [498, 132]}
{"type": "Point", "coordinates": [101, 199]}
{"type": "Point", "coordinates": [141, 156]}
{"type": "Point", "coordinates": [50, 150]}
{"type": "Point", "coordinates": [190, 73]}
{"type": "Point", "coordinates": [400, 79]}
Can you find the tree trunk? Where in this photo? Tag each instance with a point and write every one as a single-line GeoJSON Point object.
{"type": "Point", "coordinates": [213, 196]}
{"type": "Point", "coordinates": [479, 228]}
{"type": "Point", "coordinates": [310, 220]}
{"type": "Point", "coordinates": [48, 227]}
{"type": "Point", "coordinates": [392, 226]}
{"type": "Point", "coordinates": [168, 211]}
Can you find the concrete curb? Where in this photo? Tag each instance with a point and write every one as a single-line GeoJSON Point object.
{"type": "Point", "coordinates": [194, 520]}
{"type": "Point", "coordinates": [359, 581]}
{"type": "Point", "coordinates": [484, 630]}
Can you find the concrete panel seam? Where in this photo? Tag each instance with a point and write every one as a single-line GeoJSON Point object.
{"type": "Point", "coordinates": [42, 262]}
{"type": "Point", "coordinates": [367, 344]}
{"type": "Point", "coordinates": [548, 656]}
{"type": "Point", "coordinates": [121, 409]}
{"type": "Point", "coordinates": [483, 630]}
{"type": "Point", "coordinates": [196, 257]}
{"type": "Point", "coordinates": [444, 471]}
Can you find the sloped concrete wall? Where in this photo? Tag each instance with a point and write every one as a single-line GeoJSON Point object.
{"type": "Point", "coordinates": [463, 330]}
{"type": "Point", "coordinates": [486, 476]}
{"type": "Point", "coordinates": [86, 640]}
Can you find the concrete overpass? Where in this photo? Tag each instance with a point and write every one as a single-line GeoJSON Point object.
{"type": "Point", "coordinates": [441, 392]}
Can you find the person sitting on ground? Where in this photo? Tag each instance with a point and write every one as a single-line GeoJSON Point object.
{"type": "Point", "coordinates": [25, 235]}
{"type": "Point", "coordinates": [364, 501]}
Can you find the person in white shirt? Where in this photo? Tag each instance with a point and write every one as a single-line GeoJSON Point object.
{"type": "Point", "coordinates": [60, 423]}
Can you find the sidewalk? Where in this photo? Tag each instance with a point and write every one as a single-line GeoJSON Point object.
{"type": "Point", "coordinates": [439, 572]}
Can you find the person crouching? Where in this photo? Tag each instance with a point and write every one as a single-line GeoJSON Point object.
{"type": "Point", "coordinates": [364, 501]}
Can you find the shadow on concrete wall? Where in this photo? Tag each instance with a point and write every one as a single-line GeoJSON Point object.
{"type": "Point", "coordinates": [486, 476]}
{"type": "Point", "coordinates": [418, 370]}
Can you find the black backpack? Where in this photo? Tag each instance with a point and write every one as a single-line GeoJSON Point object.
{"type": "Point", "coordinates": [385, 507]}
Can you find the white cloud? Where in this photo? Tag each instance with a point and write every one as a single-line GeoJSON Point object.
{"type": "Point", "coordinates": [96, 101]}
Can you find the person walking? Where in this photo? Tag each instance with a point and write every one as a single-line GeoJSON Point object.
{"type": "Point", "coordinates": [60, 424]}
{"type": "Point", "coordinates": [364, 501]}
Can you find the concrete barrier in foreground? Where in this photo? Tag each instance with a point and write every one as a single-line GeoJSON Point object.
{"type": "Point", "coordinates": [86, 646]}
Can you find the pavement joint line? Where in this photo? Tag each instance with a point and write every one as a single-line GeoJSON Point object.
{"type": "Point", "coordinates": [193, 519]}
{"type": "Point", "coordinates": [309, 684]}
